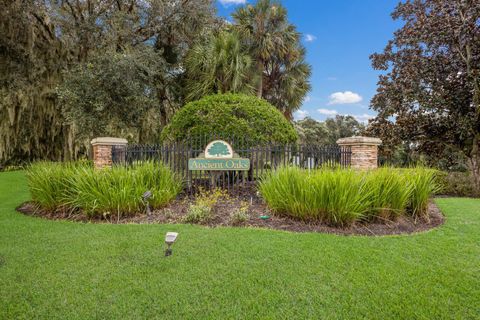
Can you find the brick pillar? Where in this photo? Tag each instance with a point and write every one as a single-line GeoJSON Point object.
{"type": "Point", "coordinates": [102, 150]}
{"type": "Point", "coordinates": [364, 151]}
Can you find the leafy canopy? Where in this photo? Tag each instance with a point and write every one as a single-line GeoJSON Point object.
{"type": "Point", "coordinates": [42, 41]}
{"type": "Point", "coordinates": [113, 94]}
{"type": "Point", "coordinates": [329, 131]}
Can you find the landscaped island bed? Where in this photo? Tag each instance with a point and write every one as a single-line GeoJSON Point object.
{"type": "Point", "coordinates": [381, 201]}
{"type": "Point", "coordinates": [223, 215]}
{"type": "Point", "coordinates": [60, 269]}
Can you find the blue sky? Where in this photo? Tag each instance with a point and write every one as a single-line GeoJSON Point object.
{"type": "Point", "coordinates": [339, 36]}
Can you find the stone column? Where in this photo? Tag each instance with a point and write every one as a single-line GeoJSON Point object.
{"type": "Point", "coordinates": [102, 150]}
{"type": "Point", "coordinates": [364, 151]}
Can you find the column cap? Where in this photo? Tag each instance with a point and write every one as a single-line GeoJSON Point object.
{"type": "Point", "coordinates": [359, 141]}
{"type": "Point", "coordinates": [109, 141]}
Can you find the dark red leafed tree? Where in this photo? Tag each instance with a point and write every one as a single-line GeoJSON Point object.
{"type": "Point", "coordinates": [429, 96]}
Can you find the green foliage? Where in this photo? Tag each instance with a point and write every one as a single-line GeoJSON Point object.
{"type": "Point", "coordinates": [198, 214]}
{"type": "Point", "coordinates": [311, 131]}
{"type": "Point", "coordinates": [329, 131]}
{"type": "Point", "coordinates": [240, 215]}
{"type": "Point", "coordinates": [30, 121]}
{"type": "Point", "coordinates": [41, 42]}
{"type": "Point", "coordinates": [274, 44]}
{"type": "Point", "coordinates": [423, 183]}
{"type": "Point", "coordinates": [428, 95]}
{"type": "Point", "coordinates": [219, 64]}
{"type": "Point", "coordinates": [202, 210]}
{"type": "Point", "coordinates": [389, 192]}
{"type": "Point", "coordinates": [459, 184]}
{"type": "Point", "coordinates": [70, 72]}
{"type": "Point", "coordinates": [342, 126]}
{"type": "Point", "coordinates": [343, 196]}
{"type": "Point", "coordinates": [333, 196]}
{"type": "Point", "coordinates": [236, 115]}
{"type": "Point", "coordinates": [78, 187]}
{"type": "Point", "coordinates": [12, 167]}
{"type": "Point", "coordinates": [113, 95]}
{"type": "Point", "coordinates": [47, 183]}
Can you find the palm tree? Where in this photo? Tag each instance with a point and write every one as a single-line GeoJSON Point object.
{"type": "Point", "coordinates": [218, 65]}
{"type": "Point", "coordinates": [275, 46]}
{"type": "Point", "coordinates": [286, 82]}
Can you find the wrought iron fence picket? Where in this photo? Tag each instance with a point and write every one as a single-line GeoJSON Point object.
{"type": "Point", "coordinates": [263, 157]}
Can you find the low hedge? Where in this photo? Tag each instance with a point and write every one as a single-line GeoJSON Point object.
{"type": "Point", "coordinates": [79, 188]}
{"type": "Point", "coordinates": [344, 196]}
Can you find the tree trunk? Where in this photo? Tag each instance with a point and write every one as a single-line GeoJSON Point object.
{"type": "Point", "coordinates": [475, 155]}
{"type": "Point", "coordinates": [288, 115]}
{"type": "Point", "coordinates": [260, 80]}
{"type": "Point", "coordinates": [475, 161]}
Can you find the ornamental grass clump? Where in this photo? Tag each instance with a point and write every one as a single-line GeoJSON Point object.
{"type": "Point", "coordinates": [389, 192]}
{"type": "Point", "coordinates": [423, 182]}
{"type": "Point", "coordinates": [78, 187]}
{"type": "Point", "coordinates": [343, 196]}
{"type": "Point", "coordinates": [331, 195]}
{"type": "Point", "coordinates": [339, 195]}
{"type": "Point", "coordinates": [46, 182]}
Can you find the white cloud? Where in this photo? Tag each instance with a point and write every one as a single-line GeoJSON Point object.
{"type": "Point", "coordinates": [346, 97]}
{"type": "Point", "coordinates": [310, 37]}
{"type": "Point", "coordinates": [307, 99]}
{"type": "Point", "coordinates": [362, 117]}
{"type": "Point", "coordinates": [301, 114]}
{"type": "Point", "coordinates": [332, 78]}
{"type": "Point", "coordinates": [327, 112]}
{"type": "Point", "coordinates": [227, 3]}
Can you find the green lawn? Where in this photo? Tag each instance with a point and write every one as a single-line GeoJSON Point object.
{"type": "Point", "coordinates": [66, 270]}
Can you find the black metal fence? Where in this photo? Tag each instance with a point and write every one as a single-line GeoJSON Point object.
{"type": "Point", "coordinates": [263, 157]}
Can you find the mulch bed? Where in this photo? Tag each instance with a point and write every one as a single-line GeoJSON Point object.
{"type": "Point", "coordinates": [222, 211]}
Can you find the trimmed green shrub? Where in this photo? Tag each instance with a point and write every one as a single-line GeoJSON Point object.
{"type": "Point", "coordinates": [342, 196]}
{"type": "Point", "coordinates": [242, 116]}
{"type": "Point", "coordinates": [117, 191]}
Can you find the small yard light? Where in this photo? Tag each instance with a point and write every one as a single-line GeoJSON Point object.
{"type": "Point", "coordinates": [147, 195]}
{"type": "Point", "coordinates": [170, 238]}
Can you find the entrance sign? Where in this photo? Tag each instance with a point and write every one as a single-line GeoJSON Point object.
{"type": "Point", "coordinates": [218, 164]}
{"type": "Point", "coordinates": [219, 156]}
